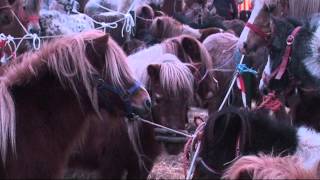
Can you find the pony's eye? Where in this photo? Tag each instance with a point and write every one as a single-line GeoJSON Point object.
{"type": "Point", "coordinates": [157, 98]}
{"type": "Point", "coordinates": [11, 1]}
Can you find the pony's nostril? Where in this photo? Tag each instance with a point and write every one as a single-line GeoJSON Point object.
{"type": "Point", "coordinates": [34, 31]}
{"type": "Point", "coordinates": [265, 91]}
{"type": "Point", "coordinates": [245, 45]}
{"type": "Point", "coordinates": [147, 104]}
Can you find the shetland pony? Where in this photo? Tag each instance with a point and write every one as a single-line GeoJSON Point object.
{"type": "Point", "coordinates": [251, 39]}
{"type": "Point", "coordinates": [171, 86]}
{"type": "Point", "coordinates": [166, 27]}
{"type": "Point", "coordinates": [268, 167]}
{"type": "Point", "coordinates": [300, 75]}
{"type": "Point", "coordinates": [55, 90]}
{"type": "Point", "coordinates": [27, 12]}
{"type": "Point", "coordinates": [233, 133]}
{"type": "Point", "coordinates": [188, 50]}
{"type": "Point", "coordinates": [223, 50]}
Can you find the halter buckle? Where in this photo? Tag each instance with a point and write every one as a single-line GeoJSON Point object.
{"type": "Point", "coordinates": [290, 40]}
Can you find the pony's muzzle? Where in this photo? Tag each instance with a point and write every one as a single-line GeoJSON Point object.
{"type": "Point", "coordinates": [34, 28]}
{"type": "Point", "coordinates": [143, 111]}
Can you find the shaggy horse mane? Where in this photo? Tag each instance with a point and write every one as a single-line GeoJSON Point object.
{"type": "Point", "coordinates": [66, 58]}
{"type": "Point", "coordinates": [175, 76]}
{"type": "Point", "coordinates": [269, 167]}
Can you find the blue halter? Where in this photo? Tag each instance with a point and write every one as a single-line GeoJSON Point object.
{"type": "Point", "coordinates": [124, 95]}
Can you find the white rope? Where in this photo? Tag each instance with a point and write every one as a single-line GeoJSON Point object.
{"type": "Point", "coordinates": [128, 20]}
{"type": "Point", "coordinates": [36, 42]}
{"type": "Point", "coordinates": [163, 127]}
{"type": "Point", "coordinates": [129, 24]}
{"type": "Point", "coordinates": [231, 86]}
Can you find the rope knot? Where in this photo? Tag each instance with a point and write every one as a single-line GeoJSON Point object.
{"type": "Point", "coordinates": [243, 68]}
{"type": "Point", "coordinates": [271, 102]}
{"type": "Point", "coordinates": [128, 24]}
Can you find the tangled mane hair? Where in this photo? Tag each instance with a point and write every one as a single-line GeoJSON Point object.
{"type": "Point", "coordinates": [175, 76]}
{"type": "Point", "coordinates": [269, 167]}
{"type": "Point", "coordinates": [221, 47]}
{"type": "Point", "coordinates": [66, 59]}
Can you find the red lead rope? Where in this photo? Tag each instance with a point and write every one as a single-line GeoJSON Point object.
{"type": "Point", "coordinates": [270, 102]}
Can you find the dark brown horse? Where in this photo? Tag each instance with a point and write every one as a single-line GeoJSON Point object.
{"type": "Point", "coordinates": [174, 85]}
{"type": "Point", "coordinates": [57, 90]}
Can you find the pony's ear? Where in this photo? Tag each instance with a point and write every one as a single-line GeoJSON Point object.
{"type": "Point", "coordinates": [147, 12]}
{"type": "Point", "coordinates": [100, 43]}
{"type": "Point", "coordinates": [191, 47]}
{"type": "Point", "coordinates": [154, 71]}
{"type": "Point", "coordinates": [160, 25]}
{"type": "Point", "coordinates": [228, 120]}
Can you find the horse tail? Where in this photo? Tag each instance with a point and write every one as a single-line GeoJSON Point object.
{"type": "Point", "coordinates": [7, 122]}
{"type": "Point", "coordinates": [135, 139]}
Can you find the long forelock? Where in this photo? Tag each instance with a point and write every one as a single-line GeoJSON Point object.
{"type": "Point", "coordinates": [117, 69]}
{"type": "Point", "coordinates": [176, 78]}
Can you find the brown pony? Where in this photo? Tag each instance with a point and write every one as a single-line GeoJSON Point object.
{"type": "Point", "coordinates": [166, 27]}
{"type": "Point", "coordinates": [171, 83]}
{"type": "Point", "coordinates": [55, 90]}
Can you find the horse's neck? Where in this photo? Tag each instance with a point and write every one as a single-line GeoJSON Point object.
{"type": "Point", "coordinates": [187, 30]}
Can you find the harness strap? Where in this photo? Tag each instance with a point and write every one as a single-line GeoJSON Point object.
{"type": "Point", "coordinates": [285, 59]}
{"type": "Point", "coordinates": [258, 31]}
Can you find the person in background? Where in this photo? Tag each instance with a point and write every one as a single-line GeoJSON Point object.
{"type": "Point", "coordinates": [226, 8]}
